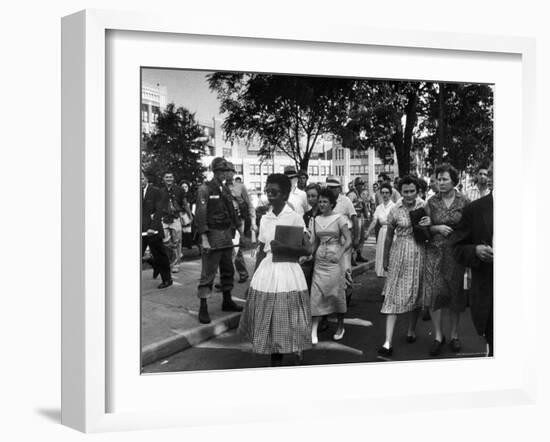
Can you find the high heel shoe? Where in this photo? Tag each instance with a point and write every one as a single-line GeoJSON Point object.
{"type": "Point", "coordinates": [383, 351]}
{"type": "Point", "coordinates": [339, 334]}
{"type": "Point", "coordinates": [435, 349]}
{"type": "Point", "coordinates": [411, 339]}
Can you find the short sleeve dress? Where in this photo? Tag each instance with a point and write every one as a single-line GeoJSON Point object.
{"type": "Point", "coordinates": [406, 266]}
{"type": "Point", "coordinates": [277, 316]}
{"type": "Point", "coordinates": [328, 285]}
{"type": "Point", "coordinates": [444, 276]}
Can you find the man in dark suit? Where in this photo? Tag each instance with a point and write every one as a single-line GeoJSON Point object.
{"type": "Point", "coordinates": [152, 232]}
{"type": "Point", "coordinates": [472, 244]}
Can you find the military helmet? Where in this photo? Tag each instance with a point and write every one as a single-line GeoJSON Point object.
{"type": "Point", "coordinates": [218, 164]}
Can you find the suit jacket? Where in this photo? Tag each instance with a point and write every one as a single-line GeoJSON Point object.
{"type": "Point", "coordinates": [151, 205]}
{"type": "Point", "coordinates": [476, 228]}
{"type": "Point", "coordinates": [173, 202]}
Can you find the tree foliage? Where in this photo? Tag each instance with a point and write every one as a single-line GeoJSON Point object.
{"type": "Point", "coordinates": [283, 112]}
{"type": "Point", "coordinates": [384, 117]}
{"type": "Point", "coordinates": [459, 124]}
{"type": "Point", "coordinates": [440, 121]}
{"type": "Point", "coordinates": [175, 145]}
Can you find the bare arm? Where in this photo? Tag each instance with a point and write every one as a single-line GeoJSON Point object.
{"type": "Point", "coordinates": [371, 226]}
{"type": "Point", "coordinates": [347, 240]}
{"type": "Point", "coordinates": [387, 245]}
{"type": "Point", "coordinates": [260, 255]}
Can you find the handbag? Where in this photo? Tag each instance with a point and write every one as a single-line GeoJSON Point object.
{"type": "Point", "coordinates": [421, 234]}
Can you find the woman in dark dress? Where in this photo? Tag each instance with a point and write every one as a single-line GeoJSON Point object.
{"type": "Point", "coordinates": [444, 276]}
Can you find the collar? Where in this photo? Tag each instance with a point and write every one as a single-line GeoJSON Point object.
{"type": "Point", "coordinates": [286, 210]}
{"type": "Point", "coordinates": [419, 202]}
{"type": "Point", "coordinates": [458, 195]}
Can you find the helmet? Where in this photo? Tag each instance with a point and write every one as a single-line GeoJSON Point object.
{"type": "Point", "coordinates": [218, 164]}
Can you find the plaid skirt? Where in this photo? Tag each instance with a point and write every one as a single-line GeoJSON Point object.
{"type": "Point", "coordinates": [277, 313]}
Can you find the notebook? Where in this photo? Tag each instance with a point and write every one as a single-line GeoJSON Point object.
{"type": "Point", "coordinates": [290, 236]}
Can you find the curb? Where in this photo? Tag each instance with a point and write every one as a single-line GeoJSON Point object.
{"type": "Point", "coordinates": [190, 338]}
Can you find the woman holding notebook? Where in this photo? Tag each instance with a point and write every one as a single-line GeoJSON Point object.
{"type": "Point", "coordinates": [277, 317]}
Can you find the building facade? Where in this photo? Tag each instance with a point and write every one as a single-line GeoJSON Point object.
{"type": "Point", "coordinates": [329, 158]}
{"type": "Point", "coordinates": [153, 102]}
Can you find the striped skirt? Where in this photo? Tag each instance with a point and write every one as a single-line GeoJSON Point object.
{"type": "Point", "coordinates": [277, 313]}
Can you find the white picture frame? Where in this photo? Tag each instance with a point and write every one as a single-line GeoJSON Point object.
{"type": "Point", "coordinates": [86, 314]}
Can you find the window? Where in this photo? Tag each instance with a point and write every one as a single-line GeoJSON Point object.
{"type": "Point", "coordinates": [155, 114]}
{"type": "Point", "coordinates": [144, 113]}
{"type": "Point", "coordinates": [254, 169]}
{"type": "Point", "coordinates": [239, 168]}
{"type": "Point", "coordinates": [379, 168]}
{"type": "Point", "coordinates": [314, 170]}
{"type": "Point", "coordinates": [323, 170]}
{"type": "Point", "coordinates": [226, 152]}
{"type": "Point", "coordinates": [254, 186]}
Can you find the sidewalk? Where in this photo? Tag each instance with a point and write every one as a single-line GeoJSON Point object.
{"type": "Point", "coordinates": [169, 321]}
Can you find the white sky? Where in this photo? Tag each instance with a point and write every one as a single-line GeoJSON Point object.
{"type": "Point", "coordinates": [186, 88]}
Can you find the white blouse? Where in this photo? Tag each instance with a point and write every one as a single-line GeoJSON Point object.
{"type": "Point", "coordinates": [287, 217]}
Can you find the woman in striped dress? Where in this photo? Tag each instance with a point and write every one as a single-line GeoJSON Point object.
{"type": "Point", "coordinates": [404, 261]}
{"type": "Point", "coordinates": [277, 316]}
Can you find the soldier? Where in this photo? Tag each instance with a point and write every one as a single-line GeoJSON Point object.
{"type": "Point", "coordinates": [359, 199]}
{"type": "Point", "coordinates": [216, 223]}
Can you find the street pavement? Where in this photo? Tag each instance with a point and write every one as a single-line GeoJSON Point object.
{"type": "Point", "coordinates": [169, 317]}
{"type": "Point", "coordinates": [173, 340]}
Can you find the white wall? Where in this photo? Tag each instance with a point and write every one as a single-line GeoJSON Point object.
{"type": "Point", "coordinates": [30, 158]}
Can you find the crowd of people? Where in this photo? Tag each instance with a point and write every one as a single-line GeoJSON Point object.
{"type": "Point", "coordinates": [433, 247]}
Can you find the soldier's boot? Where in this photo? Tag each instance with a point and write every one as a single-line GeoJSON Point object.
{"type": "Point", "coordinates": [204, 317]}
{"type": "Point", "coordinates": [228, 305]}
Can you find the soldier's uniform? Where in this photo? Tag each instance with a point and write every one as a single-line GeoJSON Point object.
{"type": "Point", "coordinates": [360, 205]}
{"type": "Point", "coordinates": [215, 216]}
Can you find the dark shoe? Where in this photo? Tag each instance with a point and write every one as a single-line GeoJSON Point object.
{"type": "Point", "coordinates": [353, 262]}
{"type": "Point", "coordinates": [155, 273]}
{"type": "Point", "coordinates": [435, 349]}
{"type": "Point", "coordinates": [230, 306]}
{"type": "Point", "coordinates": [455, 345]}
{"type": "Point", "coordinates": [204, 317]}
{"type": "Point", "coordinates": [243, 279]}
{"type": "Point", "coordinates": [383, 351]}
{"type": "Point", "coordinates": [361, 259]}
{"type": "Point", "coordinates": [165, 284]}
{"type": "Point", "coordinates": [411, 339]}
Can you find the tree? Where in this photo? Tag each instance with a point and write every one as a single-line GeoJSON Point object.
{"type": "Point", "coordinates": [284, 112]}
{"type": "Point", "coordinates": [384, 117]}
{"type": "Point", "coordinates": [176, 145]}
{"type": "Point", "coordinates": [453, 122]}
{"type": "Point", "coordinates": [459, 124]}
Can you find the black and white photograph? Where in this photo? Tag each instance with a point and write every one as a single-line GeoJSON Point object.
{"type": "Point", "coordinates": [293, 220]}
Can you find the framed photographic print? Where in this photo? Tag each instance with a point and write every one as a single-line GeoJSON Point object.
{"type": "Point", "coordinates": [165, 123]}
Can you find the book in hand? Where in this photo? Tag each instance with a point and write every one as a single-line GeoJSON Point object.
{"type": "Point", "coordinates": [291, 236]}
